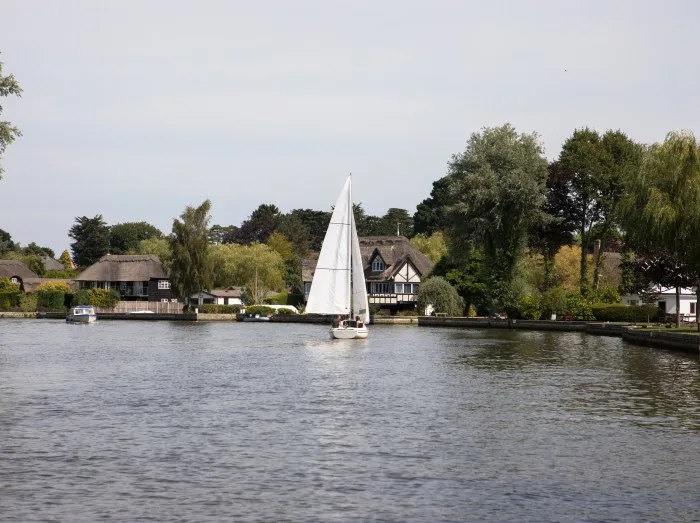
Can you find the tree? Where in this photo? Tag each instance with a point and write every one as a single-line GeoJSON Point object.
{"type": "Point", "coordinates": [595, 168]}
{"type": "Point", "coordinates": [191, 266]}
{"type": "Point", "coordinates": [433, 246]}
{"type": "Point", "coordinates": [468, 277]}
{"type": "Point", "coordinates": [8, 132]}
{"type": "Point", "coordinates": [158, 247]}
{"type": "Point", "coordinates": [316, 223]}
{"type": "Point", "coordinates": [125, 237]}
{"type": "Point", "coordinates": [36, 250]}
{"type": "Point", "coordinates": [66, 260]}
{"type": "Point", "coordinates": [256, 266]}
{"type": "Point", "coordinates": [217, 233]}
{"type": "Point", "coordinates": [430, 213]}
{"type": "Point", "coordinates": [438, 293]}
{"type": "Point", "coordinates": [6, 243]}
{"type": "Point", "coordinates": [397, 221]}
{"type": "Point", "coordinates": [91, 237]}
{"type": "Point", "coordinates": [498, 188]}
{"type": "Point", "coordinates": [661, 210]}
{"type": "Point", "coordinates": [259, 225]}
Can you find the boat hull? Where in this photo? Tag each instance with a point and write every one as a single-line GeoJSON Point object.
{"type": "Point", "coordinates": [349, 333]}
{"type": "Point", "coordinates": [81, 318]}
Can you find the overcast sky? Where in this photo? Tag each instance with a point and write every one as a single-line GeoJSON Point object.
{"type": "Point", "coordinates": [136, 109]}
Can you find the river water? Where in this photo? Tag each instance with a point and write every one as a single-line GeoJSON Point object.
{"type": "Point", "coordinates": [160, 421]}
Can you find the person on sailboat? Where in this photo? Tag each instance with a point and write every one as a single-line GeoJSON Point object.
{"type": "Point", "coordinates": [358, 322]}
{"type": "Point", "coordinates": [335, 322]}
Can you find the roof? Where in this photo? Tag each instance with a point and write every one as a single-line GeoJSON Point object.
{"type": "Point", "coordinates": [394, 250]}
{"type": "Point", "coordinates": [124, 267]}
{"type": "Point", "coordinates": [231, 292]}
{"type": "Point", "coordinates": [32, 284]}
{"type": "Point", "coordinates": [51, 264]}
{"type": "Point", "coordinates": [15, 268]}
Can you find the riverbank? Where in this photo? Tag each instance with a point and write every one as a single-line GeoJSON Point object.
{"type": "Point", "coordinates": [689, 343]}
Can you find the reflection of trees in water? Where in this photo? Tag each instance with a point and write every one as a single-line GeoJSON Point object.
{"type": "Point", "coordinates": [592, 377]}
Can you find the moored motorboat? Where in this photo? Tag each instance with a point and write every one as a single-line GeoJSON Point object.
{"type": "Point", "coordinates": [81, 314]}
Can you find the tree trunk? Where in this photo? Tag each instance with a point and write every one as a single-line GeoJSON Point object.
{"type": "Point", "coordinates": [678, 307]}
{"type": "Point", "coordinates": [597, 255]}
{"type": "Point", "coordinates": [583, 280]}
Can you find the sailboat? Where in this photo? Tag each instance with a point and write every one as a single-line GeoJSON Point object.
{"type": "Point", "coordinates": [338, 286]}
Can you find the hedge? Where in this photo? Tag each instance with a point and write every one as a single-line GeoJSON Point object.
{"type": "Point", "coordinates": [212, 308]}
{"type": "Point", "coordinates": [633, 313]}
{"type": "Point", "coordinates": [51, 300]}
{"type": "Point", "coordinates": [9, 299]}
{"type": "Point", "coordinates": [259, 309]}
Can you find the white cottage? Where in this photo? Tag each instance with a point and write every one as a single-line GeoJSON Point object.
{"type": "Point", "coordinates": [666, 301]}
{"type": "Point", "coordinates": [230, 296]}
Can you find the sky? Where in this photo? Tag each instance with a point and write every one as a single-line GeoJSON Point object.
{"type": "Point", "coordinates": [138, 108]}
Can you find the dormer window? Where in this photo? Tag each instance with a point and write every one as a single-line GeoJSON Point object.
{"type": "Point", "coordinates": [378, 264]}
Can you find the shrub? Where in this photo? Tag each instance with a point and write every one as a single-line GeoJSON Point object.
{"type": "Point", "coordinates": [259, 309]}
{"type": "Point", "coordinates": [285, 311]}
{"type": "Point", "coordinates": [58, 286]}
{"type": "Point", "coordinates": [607, 294]}
{"type": "Point", "coordinates": [28, 302]}
{"type": "Point", "coordinates": [443, 297]}
{"type": "Point", "coordinates": [213, 308]}
{"type": "Point", "coordinates": [277, 299]}
{"type": "Point", "coordinates": [529, 307]}
{"type": "Point", "coordinates": [82, 297]}
{"type": "Point", "coordinates": [5, 302]}
{"type": "Point", "coordinates": [632, 313]}
{"type": "Point", "coordinates": [408, 313]}
{"type": "Point", "coordinates": [578, 306]}
{"type": "Point", "coordinates": [52, 300]}
{"type": "Point", "coordinates": [554, 302]}
{"type": "Point", "coordinates": [103, 297]}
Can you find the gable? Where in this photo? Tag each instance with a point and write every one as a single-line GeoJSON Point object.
{"type": "Point", "coordinates": [407, 273]}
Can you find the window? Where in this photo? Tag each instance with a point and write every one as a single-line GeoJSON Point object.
{"type": "Point", "coordinates": [381, 288]}
{"type": "Point", "coordinates": [633, 302]}
{"type": "Point", "coordinates": [164, 300]}
{"type": "Point", "coordinates": [163, 284]}
{"type": "Point", "coordinates": [14, 280]}
{"type": "Point", "coordinates": [378, 264]}
{"type": "Point", "coordinates": [398, 288]}
{"type": "Point", "coordinates": [173, 300]}
{"type": "Point", "coordinates": [692, 308]}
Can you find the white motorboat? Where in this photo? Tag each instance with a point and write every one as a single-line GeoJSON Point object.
{"type": "Point", "coordinates": [338, 286]}
{"type": "Point", "coordinates": [81, 314]}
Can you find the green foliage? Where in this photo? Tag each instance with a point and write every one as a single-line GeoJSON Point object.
{"type": "Point", "coordinates": [7, 286]}
{"type": "Point", "coordinates": [66, 260]}
{"type": "Point", "coordinates": [257, 267]}
{"type": "Point", "coordinates": [433, 246]}
{"type": "Point", "coordinates": [631, 313]}
{"type": "Point", "coordinates": [58, 286]}
{"type": "Point", "coordinates": [278, 299]}
{"type": "Point", "coordinates": [103, 297]}
{"type": "Point", "coordinates": [430, 213]}
{"type": "Point", "coordinates": [82, 297]}
{"type": "Point", "coordinates": [467, 276]}
{"type": "Point", "coordinates": [497, 189]}
{"type": "Point", "coordinates": [578, 306]}
{"type": "Point", "coordinates": [8, 132]}
{"type": "Point", "coordinates": [408, 313]}
{"type": "Point", "coordinates": [213, 308]}
{"type": "Point", "coordinates": [6, 300]}
{"type": "Point", "coordinates": [285, 311]}
{"type": "Point", "coordinates": [259, 225]}
{"type": "Point", "coordinates": [315, 224]}
{"type": "Point", "coordinates": [530, 307]}
{"type": "Point", "coordinates": [91, 237]}
{"type": "Point", "coordinates": [52, 300]}
{"type": "Point", "coordinates": [262, 310]}
{"type": "Point", "coordinates": [66, 274]}
{"type": "Point", "coordinates": [607, 294]}
{"type": "Point", "coordinates": [191, 266]}
{"type": "Point", "coordinates": [28, 302]}
{"type": "Point", "coordinates": [126, 237]}
{"type": "Point", "coordinates": [6, 243]}
{"type": "Point", "coordinates": [553, 301]}
{"type": "Point", "coordinates": [158, 247]}
{"type": "Point", "coordinates": [443, 297]}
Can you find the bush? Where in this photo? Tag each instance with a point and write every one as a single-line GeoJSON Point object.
{"type": "Point", "coordinates": [213, 308]}
{"type": "Point", "coordinates": [607, 294]}
{"type": "Point", "coordinates": [285, 311]}
{"type": "Point", "coordinates": [577, 306]}
{"type": "Point", "coordinates": [259, 309]}
{"type": "Point", "coordinates": [632, 313]}
{"type": "Point", "coordinates": [6, 301]}
{"type": "Point", "coordinates": [58, 286]}
{"type": "Point", "coordinates": [82, 297]}
{"type": "Point", "coordinates": [28, 302]}
{"type": "Point", "coordinates": [277, 299]}
{"type": "Point", "coordinates": [553, 302]}
{"type": "Point", "coordinates": [52, 300]}
{"type": "Point", "coordinates": [408, 313]}
{"type": "Point", "coordinates": [438, 292]}
{"type": "Point", "coordinates": [103, 297]}
{"type": "Point", "coordinates": [529, 308]}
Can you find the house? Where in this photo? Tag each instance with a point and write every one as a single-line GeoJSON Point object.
{"type": "Point", "coordinates": [137, 277]}
{"type": "Point", "coordinates": [16, 271]}
{"type": "Point", "coordinates": [52, 264]}
{"type": "Point", "coordinates": [665, 298]}
{"type": "Point", "coordinates": [230, 296]}
{"type": "Point", "coordinates": [393, 268]}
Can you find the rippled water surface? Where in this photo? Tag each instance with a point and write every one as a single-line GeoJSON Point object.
{"type": "Point", "coordinates": [157, 421]}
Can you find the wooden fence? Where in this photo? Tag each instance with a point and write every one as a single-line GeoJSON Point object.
{"type": "Point", "coordinates": [157, 307]}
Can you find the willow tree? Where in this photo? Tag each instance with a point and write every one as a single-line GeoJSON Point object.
{"type": "Point", "coordinates": [497, 187]}
{"type": "Point", "coordinates": [661, 212]}
{"type": "Point", "coordinates": [190, 266]}
{"type": "Point", "coordinates": [8, 132]}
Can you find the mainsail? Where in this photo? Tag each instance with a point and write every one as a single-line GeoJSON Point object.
{"type": "Point", "coordinates": [338, 286]}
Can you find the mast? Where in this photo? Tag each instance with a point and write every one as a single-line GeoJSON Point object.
{"type": "Point", "coordinates": [350, 220]}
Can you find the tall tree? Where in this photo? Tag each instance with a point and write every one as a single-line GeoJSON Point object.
{"type": "Point", "coordinates": [91, 237]}
{"type": "Point", "coordinates": [6, 243]}
{"type": "Point", "coordinates": [498, 186]}
{"type": "Point", "coordinates": [125, 237]}
{"type": "Point", "coordinates": [430, 213]}
{"type": "Point", "coordinates": [217, 233]}
{"type": "Point", "coordinates": [255, 266]}
{"type": "Point", "coordinates": [316, 223]}
{"type": "Point", "coordinates": [661, 211]}
{"type": "Point", "coordinates": [595, 167]}
{"type": "Point", "coordinates": [191, 265]}
{"type": "Point", "coordinates": [158, 247]}
{"type": "Point", "coordinates": [8, 132]}
{"type": "Point", "coordinates": [433, 246]}
{"type": "Point", "coordinates": [66, 260]}
{"type": "Point", "coordinates": [397, 221]}
{"type": "Point", "coordinates": [259, 225]}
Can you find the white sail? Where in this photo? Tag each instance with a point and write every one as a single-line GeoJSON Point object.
{"type": "Point", "coordinates": [360, 304]}
{"type": "Point", "coordinates": [330, 287]}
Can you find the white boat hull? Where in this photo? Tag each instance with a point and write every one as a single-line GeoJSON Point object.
{"type": "Point", "coordinates": [349, 333]}
{"type": "Point", "coordinates": [81, 318]}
